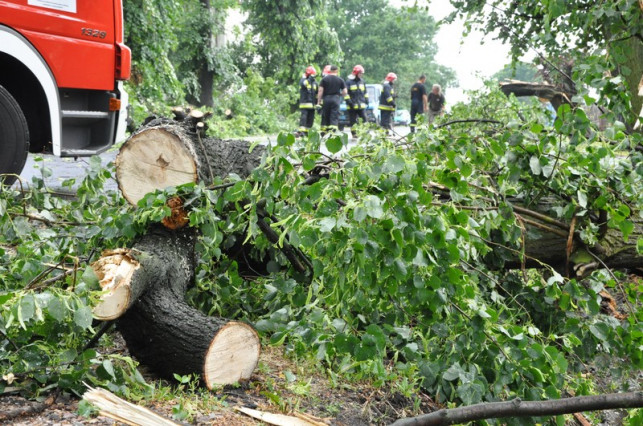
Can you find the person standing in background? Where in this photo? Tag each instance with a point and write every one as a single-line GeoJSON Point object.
{"type": "Point", "coordinates": [387, 101]}
{"type": "Point", "coordinates": [419, 101]}
{"type": "Point", "coordinates": [436, 103]}
{"type": "Point", "coordinates": [307, 91]}
{"type": "Point", "coordinates": [331, 90]}
{"type": "Point", "coordinates": [356, 98]}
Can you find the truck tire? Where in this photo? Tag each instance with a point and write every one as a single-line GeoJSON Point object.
{"type": "Point", "coordinates": [14, 138]}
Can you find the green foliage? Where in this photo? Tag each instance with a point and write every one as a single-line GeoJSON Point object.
{"type": "Point", "coordinates": [47, 289]}
{"type": "Point", "coordinates": [258, 105]}
{"type": "Point", "coordinates": [150, 34]}
{"type": "Point", "coordinates": [287, 36]}
{"type": "Point", "coordinates": [405, 284]}
{"type": "Point", "coordinates": [584, 32]}
{"type": "Point", "coordinates": [386, 39]}
{"type": "Point", "coordinates": [518, 71]}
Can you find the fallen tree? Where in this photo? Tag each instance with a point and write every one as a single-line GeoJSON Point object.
{"type": "Point", "coordinates": [167, 153]}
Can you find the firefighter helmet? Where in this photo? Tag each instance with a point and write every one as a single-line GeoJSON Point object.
{"type": "Point", "coordinates": [391, 76]}
{"type": "Point", "coordinates": [310, 71]}
{"type": "Point", "coordinates": [326, 70]}
{"type": "Point", "coordinates": [358, 69]}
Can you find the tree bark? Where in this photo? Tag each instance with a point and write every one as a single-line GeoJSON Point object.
{"type": "Point", "coordinates": [518, 408]}
{"type": "Point", "coordinates": [162, 330]}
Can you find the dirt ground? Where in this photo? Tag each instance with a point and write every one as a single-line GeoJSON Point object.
{"type": "Point", "coordinates": [279, 385]}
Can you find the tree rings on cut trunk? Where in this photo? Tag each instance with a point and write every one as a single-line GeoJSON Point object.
{"type": "Point", "coordinates": [154, 158]}
{"type": "Point", "coordinates": [233, 355]}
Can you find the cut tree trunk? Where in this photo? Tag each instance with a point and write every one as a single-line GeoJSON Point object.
{"type": "Point", "coordinates": [168, 153]}
{"type": "Point", "coordinates": [161, 330]}
{"type": "Point", "coordinates": [146, 284]}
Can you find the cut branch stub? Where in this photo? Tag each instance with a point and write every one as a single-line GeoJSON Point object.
{"type": "Point", "coordinates": [114, 270]}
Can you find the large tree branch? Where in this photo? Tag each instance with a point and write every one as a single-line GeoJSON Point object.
{"type": "Point", "coordinates": [546, 91]}
{"type": "Point", "coordinates": [519, 408]}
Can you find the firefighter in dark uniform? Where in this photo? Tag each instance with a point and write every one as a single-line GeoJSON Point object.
{"type": "Point", "coordinates": [331, 90]}
{"type": "Point", "coordinates": [356, 98]}
{"type": "Point", "coordinates": [308, 88]}
{"type": "Point", "coordinates": [387, 101]}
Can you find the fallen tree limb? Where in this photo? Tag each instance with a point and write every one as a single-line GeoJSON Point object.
{"type": "Point", "coordinates": [519, 408]}
{"type": "Point", "coordinates": [160, 328]}
{"type": "Point", "coordinates": [541, 90]}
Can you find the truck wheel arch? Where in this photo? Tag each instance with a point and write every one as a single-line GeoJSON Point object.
{"type": "Point", "coordinates": [16, 46]}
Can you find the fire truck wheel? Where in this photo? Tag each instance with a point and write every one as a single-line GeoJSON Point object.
{"type": "Point", "coordinates": [14, 138]}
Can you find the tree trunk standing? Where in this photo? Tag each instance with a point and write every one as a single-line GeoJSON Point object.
{"type": "Point", "coordinates": [631, 69]}
{"type": "Point", "coordinates": [168, 153]}
{"type": "Point", "coordinates": [165, 333]}
{"type": "Point", "coordinates": [205, 72]}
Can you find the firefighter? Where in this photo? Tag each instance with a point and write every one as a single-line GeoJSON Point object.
{"type": "Point", "coordinates": [387, 101]}
{"type": "Point", "coordinates": [307, 90]}
{"type": "Point", "coordinates": [356, 98]}
{"type": "Point", "coordinates": [331, 90]}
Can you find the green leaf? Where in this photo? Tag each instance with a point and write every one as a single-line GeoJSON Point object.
{"type": "Point", "coordinates": [373, 206]}
{"type": "Point", "coordinates": [83, 317]}
{"type": "Point", "coordinates": [26, 309]}
{"type": "Point", "coordinates": [327, 224]}
{"type": "Point", "coordinates": [600, 330]}
{"type": "Point", "coordinates": [582, 198]}
{"type": "Point", "coordinates": [89, 277]}
{"type": "Point", "coordinates": [534, 163]}
{"type": "Point", "coordinates": [309, 163]}
{"type": "Point", "coordinates": [453, 372]}
{"type": "Point", "coordinates": [334, 144]}
{"type": "Point", "coordinates": [394, 164]}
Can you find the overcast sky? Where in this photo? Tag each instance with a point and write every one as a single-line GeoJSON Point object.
{"type": "Point", "coordinates": [471, 60]}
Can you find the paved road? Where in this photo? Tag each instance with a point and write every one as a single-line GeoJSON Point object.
{"type": "Point", "coordinates": [68, 168]}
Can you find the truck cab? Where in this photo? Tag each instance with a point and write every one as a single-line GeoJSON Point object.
{"type": "Point", "coordinates": [62, 67]}
{"type": "Point", "coordinates": [372, 112]}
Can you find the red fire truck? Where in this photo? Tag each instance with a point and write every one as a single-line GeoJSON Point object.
{"type": "Point", "coordinates": [62, 64]}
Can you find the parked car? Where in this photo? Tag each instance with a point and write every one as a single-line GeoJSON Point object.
{"type": "Point", "coordinates": [402, 117]}
{"type": "Point", "coordinates": [372, 112]}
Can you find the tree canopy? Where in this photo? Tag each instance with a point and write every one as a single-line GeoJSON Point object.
{"type": "Point", "coordinates": [605, 40]}
{"type": "Point", "coordinates": [386, 39]}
